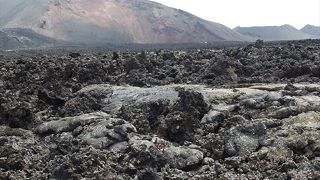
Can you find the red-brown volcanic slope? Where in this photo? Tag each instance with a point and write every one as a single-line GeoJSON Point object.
{"type": "Point", "coordinates": [138, 21]}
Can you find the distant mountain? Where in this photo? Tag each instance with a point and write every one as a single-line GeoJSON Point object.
{"type": "Point", "coordinates": [112, 21]}
{"type": "Point", "coordinates": [16, 38]}
{"type": "Point", "coordinates": [312, 30]}
{"type": "Point", "coordinates": [273, 33]}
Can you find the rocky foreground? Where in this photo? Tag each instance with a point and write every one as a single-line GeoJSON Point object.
{"type": "Point", "coordinates": [240, 113]}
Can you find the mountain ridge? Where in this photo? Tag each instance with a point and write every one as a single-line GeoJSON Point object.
{"type": "Point", "coordinates": [311, 29]}
{"type": "Point", "coordinates": [274, 33]}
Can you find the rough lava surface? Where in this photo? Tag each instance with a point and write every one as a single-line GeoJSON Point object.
{"type": "Point", "coordinates": [250, 112]}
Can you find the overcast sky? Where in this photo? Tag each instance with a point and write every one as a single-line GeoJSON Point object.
{"type": "Point", "coordinates": [234, 13]}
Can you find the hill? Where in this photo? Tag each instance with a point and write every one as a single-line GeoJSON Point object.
{"type": "Point", "coordinates": [273, 33]}
{"type": "Point", "coordinates": [112, 21]}
{"type": "Point", "coordinates": [312, 30]}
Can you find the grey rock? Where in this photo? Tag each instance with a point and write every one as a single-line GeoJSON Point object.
{"type": "Point", "coordinates": [213, 116]}
{"type": "Point", "coordinates": [70, 123]}
{"type": "Point", "coordinates": [87, 100]}
{"type": "Point", "coordinates": [266, 142]}
{"type": "Point", "coordinates": [105, 133]}
{"type": "Point", "coordinates": [134, 95]}
{"type": "Point", "coordinates": [98, 90]}
{"type": "Point", "coordinates": [208, 161]}
{"type": "Point", "coordinates": [182, 157]}
{"type": "Point", "coordinates": [287, 100]}
{"type": "Point", "coordinates": [241, 145]}
{"type": "Point", "coordinates": [62, 172]}
{"type": "Point", "coordinates": [254, 129]}
{"type": "Point", "coordinates": [119, 147]}
{"type": "Point", "coordinates": [139, 144]}
{"type": "Point", "coordinates": [288, 166]}
{"type": "Point", "coordinates": [111, 98]}
{"type": "Point", "coordinates": [273, 96]}
{"type": "Point", "coordinates": [290, 87]}
{"type": "Point", "coordinates": [257, 103]}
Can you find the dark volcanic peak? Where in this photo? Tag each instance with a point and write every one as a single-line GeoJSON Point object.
{"type": "Point", "coordinates": [273, 33]}
{"type": "Point", "coordinates": [312, 30]}
{"type": "Point", "coordinates": [116, 21]}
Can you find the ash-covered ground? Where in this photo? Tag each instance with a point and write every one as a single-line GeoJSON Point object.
{"type": "Point", "coordinates": [250, 112]}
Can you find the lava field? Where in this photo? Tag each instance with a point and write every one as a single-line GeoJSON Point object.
{"type": "Point", "coordinates": [250, 112]}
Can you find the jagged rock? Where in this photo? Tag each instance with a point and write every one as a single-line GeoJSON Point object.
{"type": "Point", "coordinates": [241, 145]}
{"type": "Point", "coordinates": [19, 116]}
{"type": "Point", "coordinates": [181, 157]}
{"type": "Point", "coordinates": [115, 56]}
{"type": "Point", "coordinates": [7, 131]}
{"type": "Point", "coordinates": [244, 139]}
{"type": "Point", "coordinates": [213, 116]}
{"type": "Point", "coordinates": [111, 98]}
{"type": "Point", "coordinates": [258, 43]}
{"type": "Point", "coordinates": [62, 172]}
{"type": "Point", "coordinates": [74, 55]}
{"type": "Point", "coordinates": [52, 100]}
{"type": "Point", "coordinates": [107, 133]}
{"type": "Point", "coordinates": [290, 87]}
{"type": "Point", "coordinates": [88, 99]}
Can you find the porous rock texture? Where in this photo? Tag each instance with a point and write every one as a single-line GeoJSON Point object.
{"type": "Point", "coordinates": [238, 113]}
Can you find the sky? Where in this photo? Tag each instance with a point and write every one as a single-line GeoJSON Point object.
{"type": "Point", "coordinates": [245, 13]}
